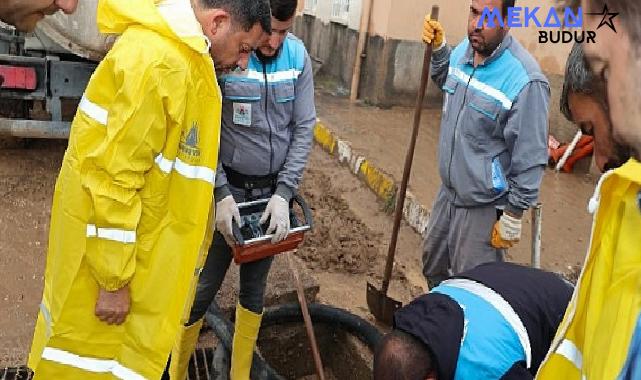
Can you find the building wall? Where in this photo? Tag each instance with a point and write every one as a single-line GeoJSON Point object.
{"type": "Point", "coordinates": [402, 20]}
{"type": "Point", "coordinates": [391, 69]}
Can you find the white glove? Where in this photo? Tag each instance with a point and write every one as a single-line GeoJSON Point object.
{"type": "Point", "coordinates": [226, 212]}
{"type": "Point", "coordinates": [509, 228]}
{"type": "Point", "coordinates": [278, 209]}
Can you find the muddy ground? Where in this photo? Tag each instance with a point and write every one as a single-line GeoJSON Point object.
{"type": "Point", "coordinates": [28, 170]}
{"type": "Point", "coordinates": [345, 250]}
{"type": "Point", "coordinates": [382, 135]}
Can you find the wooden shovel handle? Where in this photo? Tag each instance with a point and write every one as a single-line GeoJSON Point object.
{"type": "Point", "coordinates": [400, 201]}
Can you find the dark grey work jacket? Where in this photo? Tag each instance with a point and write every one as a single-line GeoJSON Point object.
{"type": "Point", "coordinates": [268, 118]}
{"type": "Point", "coordinates": [494, 128]}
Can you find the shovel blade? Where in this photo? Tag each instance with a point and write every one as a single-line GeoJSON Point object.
{"type": "Point", "coordinates": [381, 306]}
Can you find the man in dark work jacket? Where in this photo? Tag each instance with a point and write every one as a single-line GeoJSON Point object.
{"type": "Point", "coordinates": [495, 321]}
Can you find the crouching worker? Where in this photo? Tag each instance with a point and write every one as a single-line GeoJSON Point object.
{"type": "Point", "coordinates": [495, 321]}
{"type": "Point", "coordinates": [267, 132]}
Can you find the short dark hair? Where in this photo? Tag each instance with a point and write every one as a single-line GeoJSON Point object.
{"type": "Point", "coordinates": [579, 79]}
{"type": "Point", "coordinates": [507, 4]}
{"type": "Point", "coordinates": [629, 13]}
{"type": "Point", "coordinates": [283, 10]}
{"type": "Point", "coordinates": [245, 12]}
{"type": "Point", "coordinates": [401, 356]}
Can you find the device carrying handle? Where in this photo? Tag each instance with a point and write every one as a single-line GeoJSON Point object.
{"type": "Point", "coordinates": [307, 212]}
{"type": "Point", "coordinates": [237, 234]}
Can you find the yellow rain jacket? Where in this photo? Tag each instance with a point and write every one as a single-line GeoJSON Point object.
{"type": "Point", "coordinates": [593, 341]}
{"type": "Point", "coordinates": [133, 201]}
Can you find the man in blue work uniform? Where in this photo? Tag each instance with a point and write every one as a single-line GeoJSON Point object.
{"type": "Point", "coordinates": [493, 322]}
{"type": "Point", "coordinates": [493, 143]}
{"type": "Point", "coordinates": [267, 133]}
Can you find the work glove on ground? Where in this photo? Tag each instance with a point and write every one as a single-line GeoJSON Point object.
{"type": "Point", "coordinates": [506, 232]}
{"type": "Point", "coordinates": [227, 213]}
{"type": "Point", "coordinates": [433, 33]}
{"type": "Point", "coordinates": [278, 213]}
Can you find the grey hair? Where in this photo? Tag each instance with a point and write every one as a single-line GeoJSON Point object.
{"type": "Point", "coordinates": [579, 79]}
{"type": "Point", "coordinates": [245, 12]}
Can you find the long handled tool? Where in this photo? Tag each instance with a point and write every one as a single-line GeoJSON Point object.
{"type": "Point", "coordinates": [308, 320]}
{"type": "Point", "coordinates": [380, 305]}
{"type": "Point", "coordinates": [536, 235]}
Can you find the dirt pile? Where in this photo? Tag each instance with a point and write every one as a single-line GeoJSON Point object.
{"type": "Point", "coordinates": [340, 241]}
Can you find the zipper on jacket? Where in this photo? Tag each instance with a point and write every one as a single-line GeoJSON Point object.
{"type": "Point", "coordinates": [271, 146]}
{"type": "Point", "coordinates": [458, 115]}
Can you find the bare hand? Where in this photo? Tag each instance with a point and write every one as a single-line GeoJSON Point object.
{"type": "Point", "coordinates": [113, 307]}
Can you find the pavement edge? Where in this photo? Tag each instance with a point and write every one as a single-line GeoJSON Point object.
{"type": "Point", "coordinates": [382, 184]}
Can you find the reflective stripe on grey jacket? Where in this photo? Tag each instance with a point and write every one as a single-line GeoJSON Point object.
{"type": "Point", "coordinates": [494, 128]}
{"type": "Point", "coordinates": [268, 117]}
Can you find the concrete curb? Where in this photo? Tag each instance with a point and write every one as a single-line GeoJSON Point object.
{"type": "Point", "coordinates": [382, 184]}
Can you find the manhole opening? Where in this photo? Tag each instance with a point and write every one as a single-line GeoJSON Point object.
{"type": "Point", "coordinates": [286, 348]}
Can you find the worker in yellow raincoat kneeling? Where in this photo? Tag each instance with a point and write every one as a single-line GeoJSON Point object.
{"type": "Point", "coordinates": [131, 210]}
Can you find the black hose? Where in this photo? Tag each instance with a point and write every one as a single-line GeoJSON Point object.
{"type": "Point", "coordinates": [284, 314]}
{"type": "Point", "coordinates": [327, 315]}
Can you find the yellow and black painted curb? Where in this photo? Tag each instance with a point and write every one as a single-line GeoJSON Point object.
{"type": "Point", "coordinates": [381, 183]}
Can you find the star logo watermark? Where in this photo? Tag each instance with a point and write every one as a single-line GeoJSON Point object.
{"type": "Point", "coordinates": [607, 19]}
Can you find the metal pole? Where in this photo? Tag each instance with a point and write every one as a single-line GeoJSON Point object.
{"type": "Point", "coordinates": [536, 235]}
{"type": "Point", "coordinates": [300, 290]}
{"type": "Point", "coordinates": [366, 16]}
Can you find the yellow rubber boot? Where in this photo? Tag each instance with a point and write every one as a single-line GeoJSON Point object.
{"type": "Point", "coordinates": [245, 335]}
{"type": "Point", "coordinates": [183, 349]}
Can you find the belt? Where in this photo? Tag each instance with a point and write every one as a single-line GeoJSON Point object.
{"type": "Point", "coordinates": [250, 182]}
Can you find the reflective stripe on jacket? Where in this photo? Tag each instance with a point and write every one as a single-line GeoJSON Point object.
{"type": "Point", "coordinates": [493, 334]}
{"type": "Point", "coordinates": [269, 116]}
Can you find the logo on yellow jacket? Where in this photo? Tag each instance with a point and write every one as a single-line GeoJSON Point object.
{"type": "Point", "coordinates": [189, 141]}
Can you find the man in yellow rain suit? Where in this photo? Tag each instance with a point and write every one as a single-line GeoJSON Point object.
{"type": "Point", "coordinates": [600, 336]}
{"type": "Point", "coordinates": [133, 202]}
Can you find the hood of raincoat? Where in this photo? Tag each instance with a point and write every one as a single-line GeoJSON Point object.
{"type": "Point", "coordinates": [171, 18]}
{"type": "Point", "coordinates": [630, 171]}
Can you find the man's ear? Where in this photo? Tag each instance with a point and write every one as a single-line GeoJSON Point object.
{"type": "Point", "coordinates": [219, 22]}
